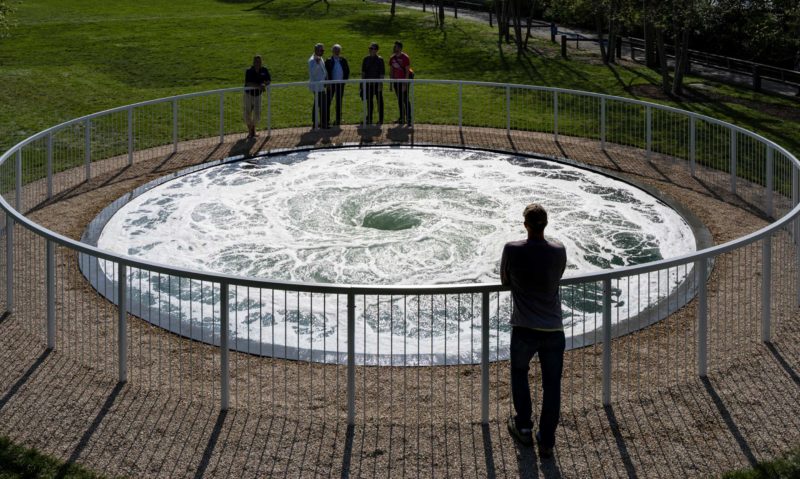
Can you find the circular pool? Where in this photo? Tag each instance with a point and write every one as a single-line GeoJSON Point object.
{"type": "Point", "coordinates": [382, 216]}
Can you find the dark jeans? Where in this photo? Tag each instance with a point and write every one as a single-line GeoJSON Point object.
{"type": "Point", "coordinates": [320, 104]}
{"type": "Point", "coordinates": [403, 102]}
{"type": "Point", "coordinates": [550, 347]}
{"type": "Point", "coordinates": [337, 91]}
{"type": "Point", "coordinates": [374, 92]}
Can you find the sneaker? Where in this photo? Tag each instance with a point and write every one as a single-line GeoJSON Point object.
{"type": "Point", "coordinates": [524, 436]}
{"type": "Point", "coordinates": [542, 451]}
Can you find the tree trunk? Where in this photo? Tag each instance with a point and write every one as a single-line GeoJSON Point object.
{"type": "Point", "coordinates": [518, 27]}
{"type": "Point", "coordinates": [650, 47]}
{"type": "Point", "coordinates": [603, 52]}
{"type": "Point", "coordinates": [440, 12]}
{"type": "Point", "coordinates": [681, 60]}
{"type": "Point", "coordinates": [662, 57]}
{"type": "Point", "coordinates": [394, 4]}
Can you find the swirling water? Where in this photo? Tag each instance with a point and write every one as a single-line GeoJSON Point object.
{"type": "Point", "coordinates": [386, 216]}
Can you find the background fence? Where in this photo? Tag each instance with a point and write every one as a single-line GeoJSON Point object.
{"type": "Point", "coordinates": [727, 297]}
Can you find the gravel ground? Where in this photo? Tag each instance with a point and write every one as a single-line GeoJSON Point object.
{"type": "Point", "coordinates": [288, 417]}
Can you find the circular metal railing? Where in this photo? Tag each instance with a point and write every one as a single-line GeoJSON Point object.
{"type": "Point", "coordinates": [759, 173]}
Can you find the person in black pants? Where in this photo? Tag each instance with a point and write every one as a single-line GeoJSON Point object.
{"type": "Point", "coordinates": [373, 67]}
{"type": "Point", "coordinates": [338, 69]}
{"type": "Point", "coordinates": [400, 69]}
{"type": "Point", "coordinates": [256, 79]}
{"type": "Point", "coordinates": [532, 269]}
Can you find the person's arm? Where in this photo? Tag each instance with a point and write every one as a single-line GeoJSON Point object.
{"type": "Point", "coordinates": [345, 69]}
{"type": "Point", "coordinates": [267, 80]}
{"type": "Point", "coordinates": [504, 279]}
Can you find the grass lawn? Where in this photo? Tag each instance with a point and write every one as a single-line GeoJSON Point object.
{"type": "Point", "coordinates": [66, 59]}
{"type": "Point", "coordinates": [19, 462]}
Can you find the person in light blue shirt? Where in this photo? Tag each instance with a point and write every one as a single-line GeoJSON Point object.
{"type": "Point", "coordinates": [317, 75]}
{"type": "Point", "coordinates": [337, 69]}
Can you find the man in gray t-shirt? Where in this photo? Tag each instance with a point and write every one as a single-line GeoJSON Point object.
{"type": "Point", "coordinates": [532, 269]}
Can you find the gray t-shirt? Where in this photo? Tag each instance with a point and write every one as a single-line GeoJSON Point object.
{"type": "Point", "coordinates": [532, 269]}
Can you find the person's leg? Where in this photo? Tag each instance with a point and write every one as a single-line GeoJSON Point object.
{"type": "Point", "coordinates": [315, 119]}
{"type": "Point", "coordinates": [551, 358]}
{"type": "Point", "coordinates": [370, 94]}
{"type": "Point", "coordinates": [408, 104]}
{"type": "Point", "coordinates": [522, 350]}
{"type": "Point", "coordinates": [379, 94]}
{"type": "Point", "coordinates": [339, 94]}
{"type": "Point", "coordinates": [256, 115]}
{"type": "Point", "coordinates": [327, 108]}
{"type": "Point", "coordinates": [399, 94]}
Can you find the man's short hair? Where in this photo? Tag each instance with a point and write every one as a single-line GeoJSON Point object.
{"type": "Point", "coordinates": [336, 46]}
{"type": "Point", "coordinates": [535, 216]}
{"type": "Point", "coordinates": [257, 57]}
{"type": "Point", "coordinates": [318, 46]}
{"type": "Point", "coordinates": [398, 43]}
{"type": "Point", "coordinates": [373, 45]}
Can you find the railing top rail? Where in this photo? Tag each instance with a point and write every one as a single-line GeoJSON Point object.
{"type": "Point", "coordinates": [389, 289]}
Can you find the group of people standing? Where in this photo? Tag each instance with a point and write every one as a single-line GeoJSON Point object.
{"type": "Point", "coordinates": [373, 67]}
{"type": "Point", "coordinates": [326, 81]}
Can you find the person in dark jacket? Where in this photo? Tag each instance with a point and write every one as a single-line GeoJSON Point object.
{"type": "Point", "coordinates": [372, 68]}
{"type": "Point", "coordinates": [338, 69]}
{"type": "Point", "coordinates": [256, 79]}
{"type": "Point", "coordinates": [532, 269]}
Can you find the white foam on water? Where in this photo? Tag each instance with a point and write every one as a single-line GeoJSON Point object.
{"type": "Point", "coordinates": [390, 216]}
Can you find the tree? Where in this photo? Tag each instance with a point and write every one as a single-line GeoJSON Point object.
{"type": "Point", "coordinates": [6, 9]}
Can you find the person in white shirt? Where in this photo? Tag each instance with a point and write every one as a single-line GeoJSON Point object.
{"type": "Point", "coordinates": [317, 74]}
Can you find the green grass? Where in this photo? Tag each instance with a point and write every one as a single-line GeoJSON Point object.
{"type": "Point", "coordinates": [20, 462]}
{"type": "Point", "coordinates": [784, 468]}
{"type": "Point", "coordinates": [66, 59]}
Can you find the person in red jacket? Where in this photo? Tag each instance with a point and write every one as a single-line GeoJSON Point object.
{"type": "Point", "coordinates": [400, 68]}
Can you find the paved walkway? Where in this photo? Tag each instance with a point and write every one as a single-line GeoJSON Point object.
{"type": "Point", "coordinates": [287, 416]}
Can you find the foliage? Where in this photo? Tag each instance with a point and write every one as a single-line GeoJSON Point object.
{"type": "Point", "coordinates": [6, 22]}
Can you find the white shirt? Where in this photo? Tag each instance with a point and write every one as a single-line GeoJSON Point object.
{"type": "Point", "coordinates": [316, 74]}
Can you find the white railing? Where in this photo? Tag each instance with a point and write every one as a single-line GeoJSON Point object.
{"type": "Point", "coordinates": [746, 167]}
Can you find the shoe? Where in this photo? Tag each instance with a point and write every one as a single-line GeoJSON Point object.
{"type": "Point", "coordinates": [524, 436]}
{"type": "Point", "coordinates": [542, 451]}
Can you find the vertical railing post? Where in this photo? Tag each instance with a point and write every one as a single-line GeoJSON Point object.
{"type": "Point", "coordinates": [221, 118]}
{"type": "Point", "coordinates": [766, 289]}
{"type": "Point", "coordinates": [701, 270]}
{"type": "Point", "coordinates": [351, 359]}
{"type": "Point", "coordinates": [485, 357]}
{"type": "Point", "coordinates": [175, 125]}
{"type": "Point", "coordinates": [508, 109]}
{"type": "Point", "coordinates": [130, 135]}
{"type": "Point", "coordinates": [224, 348]}
{"type": "Point", "coordinates": [733, 161]}
{"type": "Point", "coordinates": [87, 148]}
{"type": "Point", "coordinates": [603, 123]}
{"type": "Point", "coordinates": [50, 268]}
{"type": "Point", "coordinates": [692, 145]}
{"type": "Point", "coordinates": [9, 263]}
{"type": "Point", "coordinates": [649, 130]}
{"type": "Point", "coordinates": [606, 341]}
{"type": "Point", "coordinates": [770, 207]}
{"type": "Point", "coordinates": [49, 166]}
{"type": "Point", "coordinates": [555, 116]}
{"type": "Point", "coordinates": [269, 109]}
{"type": "Point", "coordinates": [460, 105]}
{"type": "Point", "coordinates": [122, 321]}
{"type": "Point", "coordinates": [18, 185]}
